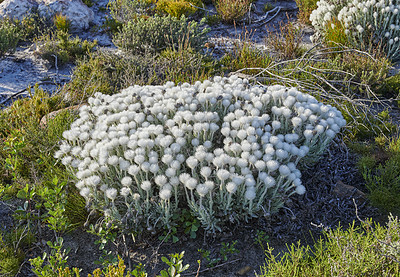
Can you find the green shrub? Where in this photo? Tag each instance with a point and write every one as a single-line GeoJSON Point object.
{"type": "Point", "coordinates": [177, 8]}
{"type": "Point", "coordinates": [109, 72]}
{"type": "Point", "coordinates": [155, 34]}
{"type": "Point", "coordinates": [383, 182]}
{"type": "Point", "coordinates": [390, 87]}
{"type": "Point", "coordinates": [124, 11]}
{"type": "Point", "coordinates": [358, 251]}
{"type": "Point", "coordinates": [232, 10]}
{"type": "Point", "coordinates": [186, 65]}
{"type": "Point", "coordinates": [59, 48]}
{"type": "Point", "coordinates": [9, 36]}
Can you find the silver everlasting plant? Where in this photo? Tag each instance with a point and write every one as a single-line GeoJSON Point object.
{"type": "Point", "coordinates": [224, 149]}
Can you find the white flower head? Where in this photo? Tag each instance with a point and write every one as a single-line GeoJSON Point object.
{"type": "Point", "coordinates": [111, 193]}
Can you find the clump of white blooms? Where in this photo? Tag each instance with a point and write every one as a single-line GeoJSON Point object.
{"type": "Point", "coordinates": [225, 149]}
{"type": "Point", "coordinates": [365, 22]}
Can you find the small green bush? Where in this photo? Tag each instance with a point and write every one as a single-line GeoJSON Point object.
{"type": "Point", "coordinates": [9, 36]}
{"type": "Point", "coordinates": [177, 8]}
{"type": "Point", "coordinates": [232, 10]}
{"type": "Point", "coordinates": [383, 183]}
{"type": "Point", "coordinates": [59, 48]}
{"type": "Point", "coordinates": [10, 258]}
{"type": "Point", "coordinates": [109, 72]}
{"type": "Point", "coordinates": [155, 34]}
{"type": "Point", "coordinates": [124, 11]}
{"type": "Point", "coordinates": [245, 55]}
{"type": "Point", "coordinates": [358, 251]}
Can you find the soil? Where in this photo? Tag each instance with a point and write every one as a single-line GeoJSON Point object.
{"type": "Point", "coordinates": [303, 219]}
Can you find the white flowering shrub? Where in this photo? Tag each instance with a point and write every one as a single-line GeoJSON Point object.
{"type": "Point", "coordinates": [223, 148]}
{"type": "Point", "coordinates": [365, 22]}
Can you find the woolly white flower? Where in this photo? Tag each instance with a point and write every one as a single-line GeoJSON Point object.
{"type": "Point", "coordinates": [126, 181]}
{"type": "Point", "coordinates": [231, 187]}
{"type": "Point", "coordinates": [202, 189]}
{"type": "Point", "coordinates": [125, 191]}
{"type": "Point", "coordinates": [111, 193]}
{"type": "Point", "coordinates": [145, 185]}
{"type": "Point", "coordinates": [250, 193]}
{"type": "Point", "coordinates": [300, 189]}
{"type": "Point", "coordinates": [205, 171]}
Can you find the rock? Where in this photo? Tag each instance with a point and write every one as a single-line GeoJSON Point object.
{"type": "Point", "coordinates": [75, 10]}
{"type": "Point", "coordinates": [16, 9]}
{"type": "Point", "coordinates": [46, 118]}
{"type": "Point", "coordinates": [342, 190]}
{"type": "Point", "coordinates": [243, 270]}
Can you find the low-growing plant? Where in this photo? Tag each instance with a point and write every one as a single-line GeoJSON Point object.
{"type": "Point", "coordinates": [365, 250]}
{"type": "Point", "coordinates": [175, 264]}
{"type": "Point", "coordinates": [187, 65]}
{"type": "Point", "coordinates": [245, 55]}
{"type": "Point", "coordinates": [261, 238]}
{"type": "Point", "coordinates": [231, 10]}
{"type": "Point", "coordinates": [9, 36]}
{"type": "Point", "coordinates": [152, 183]}
{"type": "Point", "coordinates": [10, 258]}
{"type": "Point", "coordinates": [305, 8]}
{"type": "Point", "coordinates": [124, 11]}
{"type": "Point", "coordinates": [212, 19]}
{"type": "Point", "coordinates": [177, 8]}
{"type": "Point", "coordinates": [109, 72]}
{"type": "Point", "coordinates": [59, 48]}
{"type": "Point", "coordinates": [62, 23]}
{"type": "Point", "coordinates": [88, 3]}
{"type": "Point", "coordinates": [383, 179]}
{"type": "Point", "coordinates": [286, 42]}
{"type": "Point", "coordinates": [228, 248]}
{"type": "Point", "coordinates": [157, 33]}
{"type": "Point", "coordinates": [51, 263]}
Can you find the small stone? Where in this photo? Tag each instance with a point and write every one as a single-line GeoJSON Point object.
{"type": "Point", "coordinates": [342, 190]}
{"type": "Point", "coordinates": [244, 270]}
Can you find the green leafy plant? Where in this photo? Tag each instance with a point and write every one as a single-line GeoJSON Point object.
{"type": "Point", "coordinates": [211, 261]}
{"type": "Point", "coordinates": [261, 238]}
{"type": "Point", "coordinates": [228, 248]}
{"type": "Point", "coordinates": [50, 264]}
{"type": "Point", "coordinates": [175, 264]}
{"type": "Point", "coordinates": [107, 233]}
{"type": "Point", "coordinates": [232, 10]}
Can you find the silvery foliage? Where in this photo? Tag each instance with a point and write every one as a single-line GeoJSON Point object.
{"type": "Point", "coordinates": [224, 148]}
{"type": "Point", "coordinates": [363, 21]}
